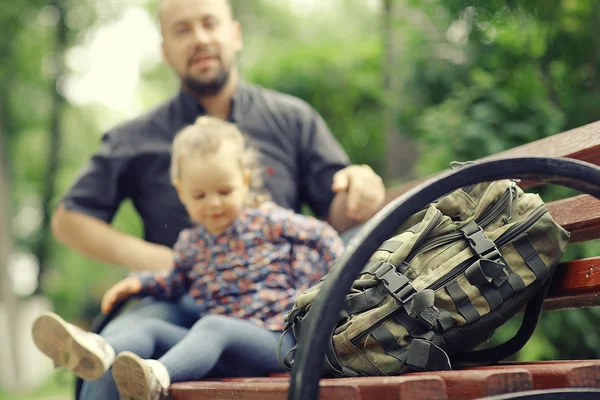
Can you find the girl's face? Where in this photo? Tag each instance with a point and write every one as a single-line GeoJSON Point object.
{"type": "Point", "coordinates": [213, 188]}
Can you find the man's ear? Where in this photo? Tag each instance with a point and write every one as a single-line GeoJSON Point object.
{"type": "Point", "coordinates": [238, 36]}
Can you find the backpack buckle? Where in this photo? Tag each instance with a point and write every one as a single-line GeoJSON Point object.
{"type": "Point", "coordinates": [480, 244]}
{"type": "Point", "coordinates": [397, 284]}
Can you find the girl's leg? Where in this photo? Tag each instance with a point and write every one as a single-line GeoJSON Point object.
{"type": "Point", "coordinates": [246, 346]}
{"type": "Point", "coordinates": [249, 350]}
{"type": "Point", "coordinates": [146, 338]}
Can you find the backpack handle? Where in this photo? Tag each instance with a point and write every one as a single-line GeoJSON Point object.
{"type": "Point", "coordinates": [310, 356]}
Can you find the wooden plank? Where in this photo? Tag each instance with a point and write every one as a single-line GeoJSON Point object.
{"type": "Point", "coordinates": [277, 390]}
{"type": "Point", "coordinates": [558, 374]}
{"type": "Point", "coordinates": [472, 384]}
{"type": "Point", "coordinates": [577, 276]}
{"type": "Point", "coordinates": [405, 387]}
{"type": "Point", "coordinates": [581, 300]}
{"type": "Point", "coordinates": [581, 143]}
{"type": "Point", "coordinates": [580, 215]}
{"type": "Point", "coordinates": [384, 388]}
{"type": "Point", "coordinates": [575, 285]}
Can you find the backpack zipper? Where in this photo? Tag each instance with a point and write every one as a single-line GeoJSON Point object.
{"type": "Point", "coordinates": [452, 275]}
{"type": "Point", "coordinates": [487, 217]}
{"type": "Point", "coordinates": [510, 234]}
{"type": "Point", "coordinates": [517, 230]}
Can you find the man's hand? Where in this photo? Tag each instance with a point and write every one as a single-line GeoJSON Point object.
{"type": "Point", "coordinates": [119, 291]}
{"type": "Point", "coordinates": [365, 191]}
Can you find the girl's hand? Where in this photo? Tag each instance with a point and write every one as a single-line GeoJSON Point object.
{"type": "Point", "coordinates": [121, 290]}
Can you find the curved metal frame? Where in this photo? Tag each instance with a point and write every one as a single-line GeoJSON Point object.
{"type": "Point", "coordinates": [310, 356]}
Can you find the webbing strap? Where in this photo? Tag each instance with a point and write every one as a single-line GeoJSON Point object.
{"type": "Point", "coordinates": [531, 257]}
{"type": "Point", "coordinates": [363, 301]}
{"type": "Point", "coordinates": [371, 267]}
{"type": "Point", "coordinates": [445, 320]}
{"type": "Point", "coordinates": [487, 276]}
{"type": "Point", "coordinates": [416, 328]}
{"type": "Point", "coordinates": [424, 355]}
{"type": "Point", "coordinates": [462, 302]}
{"type": "Point", "coordinates": [389, 343]}
{"type": "Point", "coordinates": [390, 245]}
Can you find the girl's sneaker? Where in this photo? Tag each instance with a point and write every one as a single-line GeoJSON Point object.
{"type": "Point", "coordinates": [86, 354]}
{"type": "Point", "coordinates": [139, 379]}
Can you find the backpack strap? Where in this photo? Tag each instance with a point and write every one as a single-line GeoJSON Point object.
{"type": "Point", "coordinates": [493, 355]}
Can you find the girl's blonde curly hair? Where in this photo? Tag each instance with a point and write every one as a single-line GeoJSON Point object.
{"type": "Point", "coordinates": [204, 137]}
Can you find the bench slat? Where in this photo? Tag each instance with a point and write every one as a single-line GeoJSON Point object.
{"type": "Point", "coordinates": [575, 285]}
{"type": "Point", "coordinates": [581, 143]}
{"type": "Point", "coordinates": [474, 384]}
{"type": "Point", "coordinates": [580, 215]}
{"type": "Point", "coordinates": [559, 374]}
{"type": "Point", "coordinates": [254, 390]}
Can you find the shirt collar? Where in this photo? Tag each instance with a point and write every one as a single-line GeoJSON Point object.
{"type": "Point", "coordinates": [234, 230]}
{"type": "Point", "coordinates": [191, 109]}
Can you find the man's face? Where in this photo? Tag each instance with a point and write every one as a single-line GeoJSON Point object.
{"type": "Point", "coordinates": [200, 42]}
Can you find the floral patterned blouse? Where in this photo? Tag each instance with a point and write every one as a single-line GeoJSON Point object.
{"type": "Point", "coordinates": [254, 270]}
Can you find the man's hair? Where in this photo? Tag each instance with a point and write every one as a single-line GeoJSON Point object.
{"type": "Point", "coordinates": [161, 6]}
{"type": "Point", "coordinates": [205, 137]}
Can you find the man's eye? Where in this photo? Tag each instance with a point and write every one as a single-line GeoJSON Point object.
{"type": "Point", "coordinates": [210, 25]}
{"type": "Point", "coordinates": [182, 30]}
{"type": "Point", "coordinates": [199, 196]}
{"type": "Point", "coordinates": [225, 192]}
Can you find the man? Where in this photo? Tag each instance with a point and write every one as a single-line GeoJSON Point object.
{"type": "Point", "coordinates": [303, 161]}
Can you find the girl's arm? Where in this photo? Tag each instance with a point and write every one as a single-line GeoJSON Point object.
{"type": "Point", "coordinates": [313, 233]}
{"type": "Point", "coordinates": [169, 285]}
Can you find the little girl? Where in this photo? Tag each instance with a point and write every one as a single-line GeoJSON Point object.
{"type": "Point", "coordinates": [244, 263]}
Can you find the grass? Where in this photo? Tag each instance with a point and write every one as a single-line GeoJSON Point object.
{"type": "Point", "coordinates": [58, 387]}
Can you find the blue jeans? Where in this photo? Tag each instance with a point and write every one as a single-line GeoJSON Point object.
{"type": "Point", "coordinates": [184, 313]}
{"type": "Point", "coordinates": [214, 346]}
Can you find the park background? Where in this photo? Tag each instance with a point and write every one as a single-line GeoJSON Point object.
{"type": "Point", "coordinates": [407, 86]}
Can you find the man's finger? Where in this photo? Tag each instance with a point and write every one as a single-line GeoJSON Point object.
{"type": "Point", "coordinates": [107, 303]}
{"type": "Point", "coordinates": [354, 198]}
{"type": "Point", "coordinates": [340, 182]}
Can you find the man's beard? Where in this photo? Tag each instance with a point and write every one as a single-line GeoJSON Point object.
{"type": "Point", "coordinates": [211, 88]}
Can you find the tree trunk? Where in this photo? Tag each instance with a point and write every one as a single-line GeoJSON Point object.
{"type": "Point", "coordinates": [400, 153]}
{"type": "Point", "coordinates": [41, 249]}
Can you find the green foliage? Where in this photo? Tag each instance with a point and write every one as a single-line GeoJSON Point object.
{"type": "Point", "coordinates": [319, 74]}
{"type": "Point", "coordinates": [476, 77]}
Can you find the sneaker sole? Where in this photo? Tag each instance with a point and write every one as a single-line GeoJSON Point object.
{"type": "Point", "coordinates": [131, 377]}
{"type": "Point", "coordinates": [51, 336]}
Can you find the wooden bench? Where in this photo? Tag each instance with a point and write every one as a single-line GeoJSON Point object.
{"type": "Point", "coordinates": [576, 285]}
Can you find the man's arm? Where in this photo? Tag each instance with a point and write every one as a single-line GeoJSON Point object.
{"type": "Point", "coordinates": [98, 240]}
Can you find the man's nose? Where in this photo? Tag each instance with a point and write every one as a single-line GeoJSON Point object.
{"type": "Point", "coordinates": [200, 35]}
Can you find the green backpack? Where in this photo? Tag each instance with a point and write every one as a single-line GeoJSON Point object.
{"type": "Point", "coordinates": [454, 273]}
